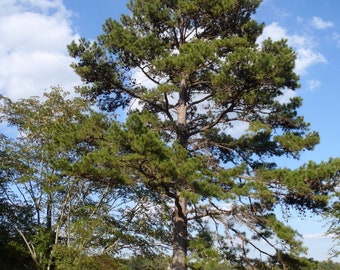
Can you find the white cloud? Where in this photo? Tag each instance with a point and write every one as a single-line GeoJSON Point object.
{"type": "Point", "coordinates": [313, 84]}
{"type": "Point", "coordinates": [238, 129]}
{"type": "Point", "coordinates": [336, 38]}
{"type": "Point", "coordinates": [287, 95]}
{"type": "Point", "coordinates": [142, 79]}
{"type": "Point", "coordinates": [318, 23]}
{"type": "Point", "coordinates": [307, 55]}
{"type": "Point", "coordinates": [273, 31]}
{"type": "Point", "coordinates": [34, 35]}
{"type": "Point", "coordinates": [318, 236]}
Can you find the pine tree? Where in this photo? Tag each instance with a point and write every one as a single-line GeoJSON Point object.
{"type": "Point", "coordinates": [206, 76]}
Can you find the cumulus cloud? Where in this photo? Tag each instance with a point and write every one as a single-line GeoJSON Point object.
{"type": "Point", "coordinates": [34, 35]}
{"type": "Point", "coordinates": [319, 23]}
{"type": "Point", "coordinates": [307, 55]}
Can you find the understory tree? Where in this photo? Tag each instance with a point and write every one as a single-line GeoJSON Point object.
{"type": "Point", "coordinates": [191, 73]}
{"type": "Point", "coordinates": [56, 214]}
{"type": "Point", "coordinates": [14, 216]}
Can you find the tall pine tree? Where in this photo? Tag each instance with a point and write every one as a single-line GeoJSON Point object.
{"type": "Point", "coordinates": [206, 76]}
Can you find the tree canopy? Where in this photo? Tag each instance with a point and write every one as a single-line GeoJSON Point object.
{"type": "Point", "coordinates": [207, 75]}
{"type": "Point", "coordinates": [173, 145]}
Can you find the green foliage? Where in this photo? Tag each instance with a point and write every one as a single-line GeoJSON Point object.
{"type": "Point", "coordinates": [328, 265]}
{"type": "Point", "coordinates": [14, 216]}
{"type": "Point", "coordinates": [294, 262]}
{"type": "Point", "coordinates": [71, 259]}
{"type": "Point", "coordinates": [14, 256]}
{"type": "Point", "coordinates": [204, 255]}
{"type": "Point", "coordinates": [208, 75]}
{"type": "Point", "coordinates": [171, 173]}
{"type": "Point", "coordinates": [158, 262]}
{"type": "Point", "coordinates": [45, 168]}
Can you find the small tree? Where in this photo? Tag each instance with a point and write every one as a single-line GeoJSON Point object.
{"type": "Point", "coordinates": [13, 254]}
{"type": "Point", "coordinates": [206, 76]}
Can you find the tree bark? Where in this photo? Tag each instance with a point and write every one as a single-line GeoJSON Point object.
{"type": "Point", "coordinates": [180, 234]}
{"type": "Point", "coordinates": [179, 218]}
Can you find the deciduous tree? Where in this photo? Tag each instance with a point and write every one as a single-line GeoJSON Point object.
{"type": "Point", "coordinates": [68, 217]}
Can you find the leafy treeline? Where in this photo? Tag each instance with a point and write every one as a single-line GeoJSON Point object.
{"type": "Point", "coordinates": [84, 188]}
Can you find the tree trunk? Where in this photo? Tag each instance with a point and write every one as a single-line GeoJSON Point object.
{"type": "Point", "coordinates": [180, 234]}
{"type": "Point", "coordinates": [179, 218]}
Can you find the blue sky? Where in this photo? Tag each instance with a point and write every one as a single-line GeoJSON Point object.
{"type": "Point", "coordinates": [34, 35]}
